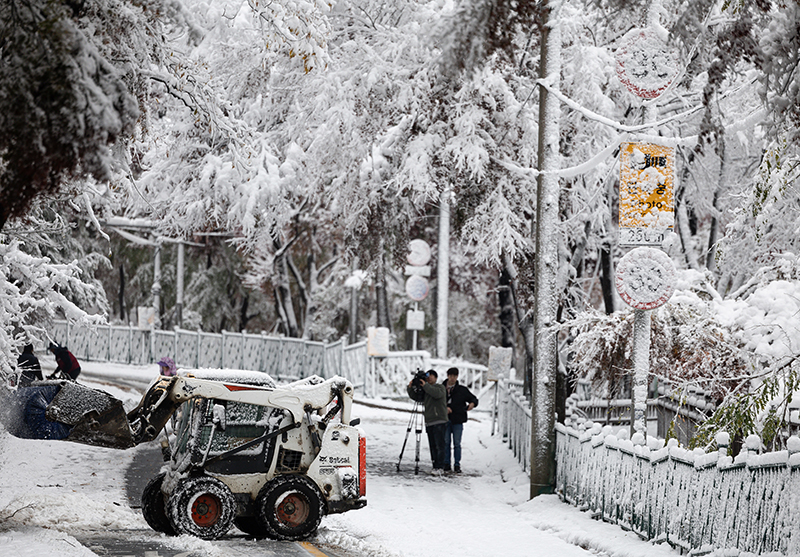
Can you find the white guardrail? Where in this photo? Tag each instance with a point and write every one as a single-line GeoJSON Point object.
{"type": "Point", "coordinates": [280, 357]}
{"type": "Point", "coordinates": [698, 502]}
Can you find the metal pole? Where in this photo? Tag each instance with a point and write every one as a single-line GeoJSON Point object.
{"type": "Point", "coordinates": [179, 285]}
{"type": "Point", "coordinates": [414, 334]}
{"type": "Point", "coordinates": [641, 368]}
{"type": "Point", "coordinates": [543, 388]}
{"type": "Point", "coordinates": [443, 275]}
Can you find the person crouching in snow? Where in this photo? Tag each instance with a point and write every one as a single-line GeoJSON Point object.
{"type": "Point", "coordinates": [66, 363]}
{"type": "Point", "coordinates": [166, 366]}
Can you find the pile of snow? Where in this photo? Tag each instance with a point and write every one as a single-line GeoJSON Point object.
{"type": "Point", "coordinates": [765, 320]}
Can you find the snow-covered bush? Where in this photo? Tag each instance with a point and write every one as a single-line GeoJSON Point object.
{"type": "Point", "coordinates": [742, 351]}
{"type": "Point", "coordinates": [689, 343]}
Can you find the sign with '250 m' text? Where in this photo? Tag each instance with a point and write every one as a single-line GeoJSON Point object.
{"type": "Point", "coordinates": [646, 204]}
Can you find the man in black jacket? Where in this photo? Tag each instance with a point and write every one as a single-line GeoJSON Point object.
{"type": "Point", "coordinates": [29, 367]}
{"type": "Point", "coordinates": [459, 401]}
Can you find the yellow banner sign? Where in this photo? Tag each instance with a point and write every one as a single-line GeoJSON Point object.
{"type": "Point", "coordinates": [646, 204]}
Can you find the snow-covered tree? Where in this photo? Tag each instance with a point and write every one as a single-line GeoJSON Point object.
{"type": "Point", "coordinates": [43, 277]}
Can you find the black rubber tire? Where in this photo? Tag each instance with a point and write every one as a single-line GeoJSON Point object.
{"type": "Point", "coordinates": [202, 506]}
{"type": "Point", "coordinates": [154, 507]}
{"type": "Point", "coordinates": [290, 507]}
{"type": "Point", "coordinates": [252, 526]}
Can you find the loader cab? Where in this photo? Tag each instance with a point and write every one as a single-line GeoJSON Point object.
{"type": "Point", "coordinates": [206, 430]}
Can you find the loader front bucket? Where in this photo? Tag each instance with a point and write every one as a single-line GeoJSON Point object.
{"type": "Point", "coordinates": [69, 411]}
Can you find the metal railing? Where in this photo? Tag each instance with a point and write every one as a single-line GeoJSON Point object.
{"type": "Point", "coordinates": [282, 358]}
{"type": "Point", "coordinates": [514, 419]}
{"type": "Point", "coordinates": [698, 502]}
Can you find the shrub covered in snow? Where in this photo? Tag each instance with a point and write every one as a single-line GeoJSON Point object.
{"type": "Point", "coordinates": [741, 350]}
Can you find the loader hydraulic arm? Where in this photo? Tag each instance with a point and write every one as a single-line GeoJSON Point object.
{"type": "Point", "coordinates": [81, 414]}
{"type": "Point", "coordinates": [168, 393]}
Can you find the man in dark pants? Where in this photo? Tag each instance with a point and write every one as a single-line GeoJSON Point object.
{"type": "Point", "coordinates": [435, 405]}
{"type": "Point", "coordinates": [460, 400]}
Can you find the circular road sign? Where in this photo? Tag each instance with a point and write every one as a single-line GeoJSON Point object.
{"type": "Point", "coordinates": [645, 65]}
{"type": "Point", "coordinates": [645, 278]}
{"type": "Point", "coordinates": [419, 253]}
{"type": "Point", "coordinates": [417, 288]}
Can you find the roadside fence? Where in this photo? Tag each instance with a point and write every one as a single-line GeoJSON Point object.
{"type": "Point", "coordinates": [280, 357]}
{"type": "Point", "coordinates": [697, 502]}
{"type": "Point", "coordinates": [514, 419]}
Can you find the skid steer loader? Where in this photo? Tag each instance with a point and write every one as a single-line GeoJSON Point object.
{"type": "Point", "coordinates": [271, 460]}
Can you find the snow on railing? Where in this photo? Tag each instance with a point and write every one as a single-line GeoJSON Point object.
{"type": "Point", "coordinates": [280, 357]}
{"type": "Point", "coordinates": [696, 501]}
{"type": "Point", "coordinates": [514, 419]}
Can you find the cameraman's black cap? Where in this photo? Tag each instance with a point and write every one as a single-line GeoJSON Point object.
{"type": "Point", "coordinates": [433, 372]}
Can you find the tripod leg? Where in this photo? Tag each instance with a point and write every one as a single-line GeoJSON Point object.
{"type": "Point", "coordinates": [419, 436]}
{"type": "Point", "coordinates": [408, 431]}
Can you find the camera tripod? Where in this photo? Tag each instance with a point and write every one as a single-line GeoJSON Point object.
{"type": "Point", "coordinates": [414, 421]}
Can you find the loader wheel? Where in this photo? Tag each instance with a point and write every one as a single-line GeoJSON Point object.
{"type": "Point", "coordinates": [291, 508]}
{"type": "Point", "coordinates": [201, 506]}
{"type": "Point", "coordinates": [153, 508]}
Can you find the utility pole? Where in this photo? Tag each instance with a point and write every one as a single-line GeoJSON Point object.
{"type": "Point", "coordinates": [179, 281]}
{"type": "Point", "coordinates": [157, 283]}
{"type": "Point", "coordinates": [443, 275]}
{"type": "Point", "coordinates": [543, 388]}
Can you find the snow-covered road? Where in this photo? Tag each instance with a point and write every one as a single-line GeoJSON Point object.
{"type": "Point", "coordinates": [55, 497]}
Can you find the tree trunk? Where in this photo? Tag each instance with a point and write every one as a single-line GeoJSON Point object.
{"type": "Point", "coordinates": [243, 317]}
{"type": "Point", "coordinates": [607, 277]}
{"type": "Point", "coordinates": [542, 470]}
{"type": "Point", "coordinates": [353, 338]}
{"type": "Point", "coordinates": [711, 261]}
{"type": "Point", "coordinates": [122, 293]}
{"type": "Point", "coordinates": [524, 321]}
{"type": "Point", "coordinates": [684, 232]}
{"type": "Point", "coordinates": [381, 299]}
{"type": "Point", "coordinates": [682, 217]}
{"type": "Point", "coordinates": [283, 292]}
{"type": "Point", "coordinates": [505, 301]}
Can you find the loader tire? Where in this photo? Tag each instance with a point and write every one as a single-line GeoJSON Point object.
{"type": "Point", "coordinates": [154, 508]}
{"type": "Point", "coordinates": [202, 506]}
{"type": "Point", "coordinates": [291, 507]}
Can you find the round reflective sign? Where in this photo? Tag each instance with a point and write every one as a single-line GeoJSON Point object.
{"type": "Point", "coordinates": [419, 253]}
{"type": "Point", "coordinates": [645, 65]}
{"type": "Point", "coordinates": [645, 278]}
{"type": "Point", "coordinates": [417, 288]}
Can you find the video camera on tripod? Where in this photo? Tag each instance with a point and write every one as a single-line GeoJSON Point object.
{"type": "Point", "coordinates": [416, 392]}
